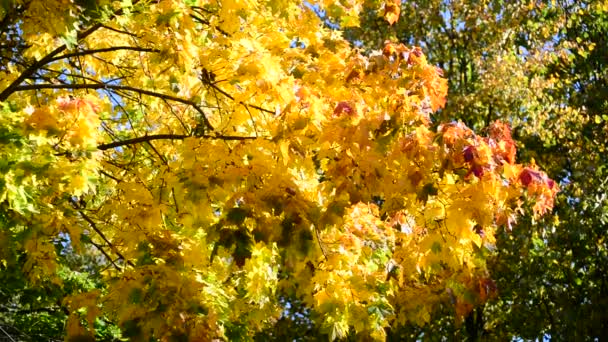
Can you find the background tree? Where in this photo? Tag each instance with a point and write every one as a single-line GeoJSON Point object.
{"type": "Point", "coordinates": [540, 65]}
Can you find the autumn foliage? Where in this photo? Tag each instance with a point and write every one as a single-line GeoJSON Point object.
{"type": "Point", "coordinates": [221, 156]}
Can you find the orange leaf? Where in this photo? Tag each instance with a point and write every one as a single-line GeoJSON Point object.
{"type": "Point", "coordinates": [392, 9]}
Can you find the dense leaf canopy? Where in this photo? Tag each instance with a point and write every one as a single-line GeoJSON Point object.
{"type": "Point", "coordinates": [540, 65]}
{"type": "Point", "coordinates": [193, 170]}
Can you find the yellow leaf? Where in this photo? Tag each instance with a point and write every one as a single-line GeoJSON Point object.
{"type": "Point", "coordinates": [284, 147]}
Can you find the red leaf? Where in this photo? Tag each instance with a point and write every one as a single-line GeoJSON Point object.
{"type": "Point", "coordinates": [477, 171]}
{"type": "Point", "coordinates": [344, 107]}
{"type": "Point", "coordinates": [469, 153]}
{"type": "Point", "coordinates": [527, 176]}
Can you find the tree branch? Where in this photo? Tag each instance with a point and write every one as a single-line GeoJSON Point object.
{"type": "Point", "coordinates": [321, 246]}
{"type": "Point", "coordinates": [221, 91]}
{"type": "Point", "coordinates": [138, 140]}
{"type": "Point", "coordinates": [38, 64]}
{"type": "Point", "coordinates": [99, 248]}
{"type": "Point", "coordinates": [148, 138]}
{"type": "Point", "coordinates": [117, 87]}
{"type": "Point", "coordinates": [103, 237]}
{"type": "Point", "coordinates": [5, 333]}
{"type": "Point", "coordinates": [110, 176]}
{"type": "Point", "coordinates": [206, 22]}
{"type": "Point", "coordinates": [8, 91]}
{"type": "Point", "coordinates": [120, 31]}
{"type": "Point", "coordinates": [93, 51]}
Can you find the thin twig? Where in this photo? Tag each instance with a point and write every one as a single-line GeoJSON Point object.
{"type": "Point", "coordinates": [5, 333]}
{"type": "Point", "coordinates": [162, 158]}
{"type": "Point", "coordinates": [206, 22]}
{"type": "Point", "coordinates": [212, 85]}
{"type": "Point", "coordinates": [255, 127]}
{"type": "Point", "coordinates": [103, 237]}
{"type": "Point", "coordinates": [105, 254]}
{"type": "Point", "coordinates": [319, 242]}
{"type": "Point", "coordinates": [119, 31]}
{"type": "Point", "coordinates": [110, 176]}
{"type": "Point", "coordinates": [174, 200]}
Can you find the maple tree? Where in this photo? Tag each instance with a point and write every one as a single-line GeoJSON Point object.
{"type": "Point", "coordinates": [211, 158]}
{"type": "Point", "coordinates": [541, 66]}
